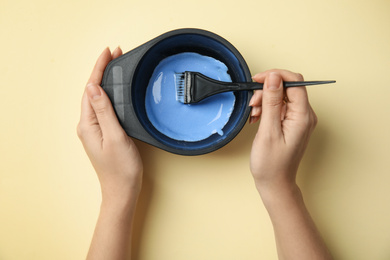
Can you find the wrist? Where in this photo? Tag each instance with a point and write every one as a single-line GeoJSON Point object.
{"type": "Point", "coordinates": [120, 197]}
{"type": "Point", "coordinates": [119, 206]}
{"type": "Point", "coordinates": [279, 193]}
{"type": "Point", "coordinates": [114, 188]}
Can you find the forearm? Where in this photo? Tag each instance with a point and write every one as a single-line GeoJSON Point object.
{"type": "Point", "coordinates": [112, 236]}
{"type": "Point", "coordinates": [295, 232]}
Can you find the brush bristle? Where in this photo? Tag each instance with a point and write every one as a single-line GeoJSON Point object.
{"type": "Point", "coordinates": [180, 87]}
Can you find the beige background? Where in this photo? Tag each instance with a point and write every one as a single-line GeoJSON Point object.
{"type": "Point", "coordinates": [203, 207]}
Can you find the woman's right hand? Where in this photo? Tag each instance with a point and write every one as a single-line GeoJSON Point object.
{"type": "Point", "coordinates": [287, 121]}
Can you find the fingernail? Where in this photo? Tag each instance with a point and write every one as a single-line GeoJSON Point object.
{"type": "Point", "coordinates": [93, 91]}
{"type": "Point", "coordinates": [253, 112]}
{"type": "Point", "coordinates": [106, 49]}
{"type": "Point", "coordinates": [273, 81]}
{"type": "Point", "coordinates": [256, 111]}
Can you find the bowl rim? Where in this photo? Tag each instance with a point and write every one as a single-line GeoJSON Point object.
{"type": "Point", "coordinates": [135, 126]}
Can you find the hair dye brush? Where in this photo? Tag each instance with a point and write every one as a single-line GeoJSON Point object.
{"type": "Point", "coordinates": [192, 87]}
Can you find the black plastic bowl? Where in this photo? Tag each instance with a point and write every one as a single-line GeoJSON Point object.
{"type": "Point", "coordinates": [126, 79]}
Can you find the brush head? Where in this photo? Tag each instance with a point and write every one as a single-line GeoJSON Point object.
{"type": "Point", "coordinates": [180, 85]}
{"type": "Point", "coordinates": [183, 86]}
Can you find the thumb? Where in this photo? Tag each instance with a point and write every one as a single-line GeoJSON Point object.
{"type": "Point", "coordinates": [103, 109]}
{"type": "Point", "coordinates": [272, 103]}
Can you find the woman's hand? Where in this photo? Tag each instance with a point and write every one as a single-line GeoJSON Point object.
{"type": "Point", "coordinates": [113, 154]}
{"type": "Point", "coordinates": [117, 163]}
{"type": "Point", "coordinates": [287, 121]}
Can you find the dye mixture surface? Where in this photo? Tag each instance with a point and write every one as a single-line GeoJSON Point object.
{"type": "Point", "coordinates": [187, 122]}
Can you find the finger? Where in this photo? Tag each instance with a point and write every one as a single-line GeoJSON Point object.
{"type": "Point", "coordinates": [260, 77]}
{"type": "Point", "coordinates": [284, 111]}
{"type": "Point", "coordinates": [297, 99]}
{"type": "Point", "coordinates": [116, 53]}
{"type": "Point", "coordinates": [253, 119]}
{"type": "Point", "coordinates": [88, 127]}
{"type": "Point", "coordinates": [88, 117]}
{"type": "Point", "coordinates": [101, 64]}
{"type": "Point", "coordinates": [104, 112]}
{"type": "Point", "coordinates": [297, 96]}
{"type": "Point", "coordinates": [272, 103]}
{"type": "Point", "coordinates": [313, 118]}
{"type": "Point", "coordinates": [87, 113]}
{"type": "Point", "coordinates": [256, 111]}
{"type": "Point", "coordinates": [256, 98]}
{"type": "Point", "coordinates": [285, 74]}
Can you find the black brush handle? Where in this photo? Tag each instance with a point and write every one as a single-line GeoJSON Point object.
{"type": "Point", "coordinates": [205, 86]}
{"type": "Point", "coordinates": [286, 84]}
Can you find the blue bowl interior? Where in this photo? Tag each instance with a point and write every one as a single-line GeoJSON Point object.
{"type": "Point", "coordinates": [204, 45]}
